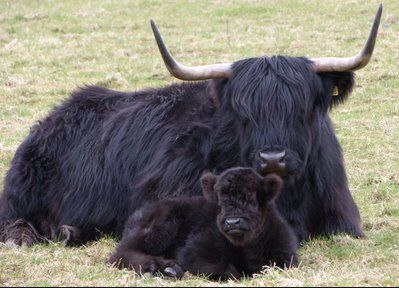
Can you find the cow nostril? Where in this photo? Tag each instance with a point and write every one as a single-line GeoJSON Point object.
{"type": "Point", "coordinates": [272, 161]}
{"type": "Point", "coordinates": [272, 157]}
{"type": "Point", "coordinates": [232, 221]}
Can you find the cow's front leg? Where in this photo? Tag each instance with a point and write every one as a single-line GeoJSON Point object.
{"type": "Point", "coordinates": [343, 216]}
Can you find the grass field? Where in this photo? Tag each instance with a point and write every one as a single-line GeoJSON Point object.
{"type": "Point", "coordinates": [47, 48]}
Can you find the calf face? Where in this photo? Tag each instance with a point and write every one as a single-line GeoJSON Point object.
{"type": "Point", "coordinates": [243, 198]}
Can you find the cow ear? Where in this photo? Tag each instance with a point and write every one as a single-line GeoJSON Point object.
{"type": "Point", "coordinates": [272, 185]}
{"type": "Point", "coordinates": [336, 88]}
{"type": "Point", "coordinates": [208, 181]}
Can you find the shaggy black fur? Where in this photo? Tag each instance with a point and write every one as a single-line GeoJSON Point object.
{"type": "Point", "coordinates": [102, 154]}
{"type": "Point", "coordinates": [234, 231]}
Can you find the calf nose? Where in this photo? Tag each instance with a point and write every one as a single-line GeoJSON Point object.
{"type": "Point", "coordinates": [233, 222]}
{"type": "Point", "coordinates": [272, 160]}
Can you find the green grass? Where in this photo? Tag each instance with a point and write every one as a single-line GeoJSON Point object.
{"type": "Point", "coordinates": [63, 44]}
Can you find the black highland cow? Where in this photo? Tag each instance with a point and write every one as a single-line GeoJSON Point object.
{"type": "Point", "coordinates": [233, 231]}
{"type": "Point", "coordinates": [102, 154]}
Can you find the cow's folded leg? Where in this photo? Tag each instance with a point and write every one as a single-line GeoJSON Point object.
{"type": "Point", "coordinates": [21, 232]}
{"type": "Point", "coordinates": [4, 222]}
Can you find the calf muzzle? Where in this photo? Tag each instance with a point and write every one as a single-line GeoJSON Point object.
{"type": "Point", "coordinates": [235, 225]}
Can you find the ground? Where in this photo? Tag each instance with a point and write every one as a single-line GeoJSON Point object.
{"type": "Point", "coordinates": [47, 48]}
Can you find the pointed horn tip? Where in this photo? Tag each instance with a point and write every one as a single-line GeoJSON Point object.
{"type": "Point", "coordinates": [379, 12]}
{"type": "Point", "coordinates": [155, 31]}
{"type": "Point", "coordinates": [152, 22]}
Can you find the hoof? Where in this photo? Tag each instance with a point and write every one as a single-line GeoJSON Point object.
{"type": "Point", "coordinates": [174, 271]}
{"type": "Point", "coordinates": [69, 235]}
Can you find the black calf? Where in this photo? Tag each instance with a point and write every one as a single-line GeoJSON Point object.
{"type": "Point", "coordinates": [234, 230]}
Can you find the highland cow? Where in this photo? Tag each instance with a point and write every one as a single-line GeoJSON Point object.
{"type": "Point", "coordinates": [234, 230]}
{"type": "Point", "coordinates": [103, 154]}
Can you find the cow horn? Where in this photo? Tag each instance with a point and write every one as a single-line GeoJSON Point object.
{"type": "Point", "coordinates": [189, 73]}
{"type": "Point", "coordinates": [336, 64]}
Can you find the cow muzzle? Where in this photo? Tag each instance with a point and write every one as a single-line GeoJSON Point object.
{"type": "Point", "coordinates": [273, 161]}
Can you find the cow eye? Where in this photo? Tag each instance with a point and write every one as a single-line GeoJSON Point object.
{"type": "Point", "coordinates": [251, 201]}
{"type": "Point", "coordinates": [249, 198]}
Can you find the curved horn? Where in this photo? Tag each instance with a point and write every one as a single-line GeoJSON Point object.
{"type": "Point", "coordinates": [189, 73]}
{"type": "Point", "coordinates": [335, 64]}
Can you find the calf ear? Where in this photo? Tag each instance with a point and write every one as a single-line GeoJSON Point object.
{"type": "Point", "coordinates": [336, 88]}
{"type": "Point", "coordinates": [208, 181]}
{"type": "Point", "coordinates": [272, 184]}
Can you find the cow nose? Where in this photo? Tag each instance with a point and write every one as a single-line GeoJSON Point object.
{"type": "Point", "coordinates": [233, 222]}
{"type": "Point", "coordinates": [272, 160]}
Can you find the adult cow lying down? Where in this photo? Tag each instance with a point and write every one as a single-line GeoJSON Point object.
{"type": "Point", "coordinates": [102, 154]}
{"type": "Point", "coordinates": [233, 231]}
